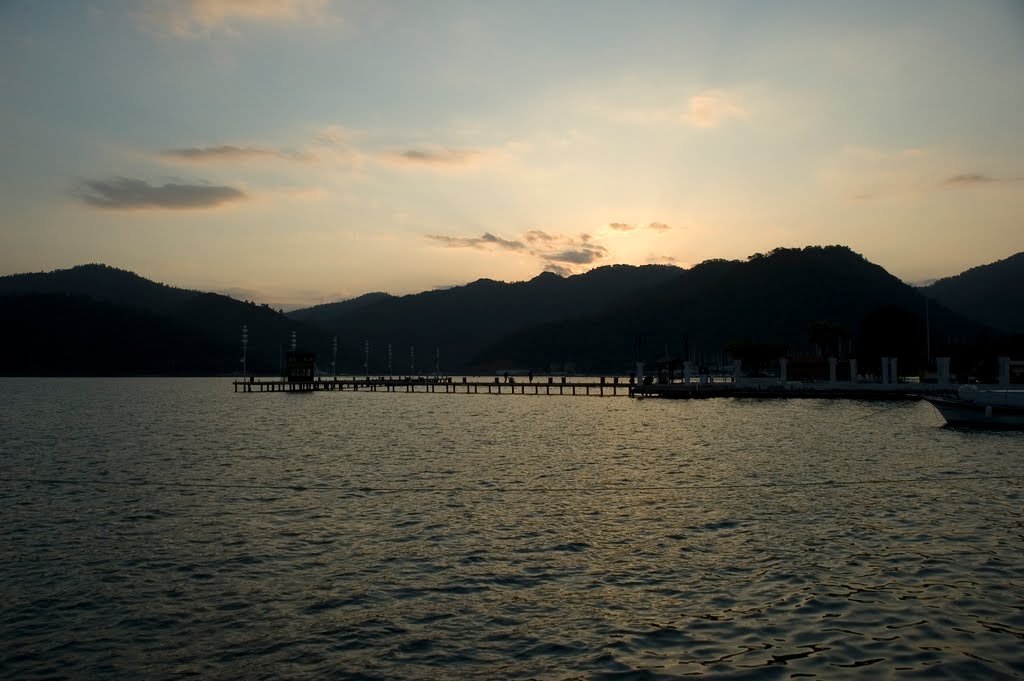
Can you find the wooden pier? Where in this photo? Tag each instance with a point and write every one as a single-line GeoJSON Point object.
{"type": "Point", "coordinates": [846, 390]}
{"type": "Point", "coordinates": [600, 387]}
{"type": "Point", "coordinates": [596, 387]}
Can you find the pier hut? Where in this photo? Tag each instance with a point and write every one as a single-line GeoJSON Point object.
{"type": "Point", "coordinates": [300, 367]}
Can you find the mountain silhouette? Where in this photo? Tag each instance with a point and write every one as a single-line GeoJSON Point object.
{"type": "Point", "coordinates": [446, 328]}
{"type": "Point", "coordinates": [333, 313]}
{"type": "Point", "coordinates": [815, 301]}
{"type": "Point", "coordinates": [989, 293]}
{"type": "Point", "coordinates": [768, 300]}
{"type": "Point", "coordinates": [101, 283]}
{"type": "Point", "coordinates": [105, 307]}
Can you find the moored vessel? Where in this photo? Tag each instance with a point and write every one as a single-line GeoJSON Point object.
{"type": "Point", "coordinates": [982, 408]}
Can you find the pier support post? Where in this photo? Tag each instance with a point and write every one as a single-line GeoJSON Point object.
{"type": "Point", "coordinates": [942, 366]}
{"type": "Point", "coordinates": [832, 361]}
{"type": "Point", "coordinates": [1004, 371]}
{"type": "Point", "coordinates": [782, 369]}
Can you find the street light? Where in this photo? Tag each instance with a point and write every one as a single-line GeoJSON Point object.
{"type": "Point", "coordinates": [245, 343]}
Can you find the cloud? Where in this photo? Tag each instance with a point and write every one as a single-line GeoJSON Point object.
{"type": "Point", "coordinates": [484, 241]}
{"type": "Point", "coordinates": [629, 227]}
{"type": "Point", "coordinates": [443, 157]}
{"type": "Point", "coordinates": [874, 174]}
{"type": "Point", "coordinates": [560, 253]}
{"type": "Point", "coordinates": [229, 152]}
{"type": "Point", "coordinates": [711, 108]}
{"type": "Point", "coordinates": [973, 179]}
{"type": "Point", "coordinates": [558, 269]}
{"type": "Point", "coordinates": [194, 18]}
{"type": "Point", "coordinates": [535, 236]}
{"type": "Point", "coordinates": [123, 193]}
{"type": "Point", "coordinates": [338, 136]}
{"type": "Point", "coordinates": [583, 256]}
{"type": "Point", "coordinates": [707, 109]}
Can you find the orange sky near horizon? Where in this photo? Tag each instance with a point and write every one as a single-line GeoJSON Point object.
{"type": "Point", "coordinates": [305, 151]}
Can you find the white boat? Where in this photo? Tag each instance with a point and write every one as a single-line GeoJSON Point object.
{"type": "Point", "coordinates": [982, 408]}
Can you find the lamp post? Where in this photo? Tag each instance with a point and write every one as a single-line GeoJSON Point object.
{"type": "Point", "coordinates": [412, 359]}
{"type": "Point", "coordinates": [366, 356]}
{"type": "Point", "coordinates": [334, 361]}
{"type": "Point", "coordinates": [390, 372]}
{"type": "Point", "coordinates": [245, 343]}
{"type": "Point", "coordinates": [293, 341]}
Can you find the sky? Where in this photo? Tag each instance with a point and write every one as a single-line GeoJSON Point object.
{"type": "Point", "coordinates": [305, 151]}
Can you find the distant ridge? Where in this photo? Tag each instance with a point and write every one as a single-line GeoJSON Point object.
{"type": "Point", "coordinates": [99, 320]}
{"type": "Point", "coordinates": [339, 310]}
{"type": "Point", "coordinates": [769, 301]}
{"type": "Point", "coordinates": [74, 321]}
{"type": "Point", "coordinates": [993, 293]}
{"type": "Point", "coordinates": [447, 328]}
{"type": "Point", "coordinates": [101, 283]}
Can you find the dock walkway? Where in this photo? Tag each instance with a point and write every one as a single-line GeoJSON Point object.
{"type": "Point", "coordinates": [601, 387]}
{"type": "Point", "coordinates": [598, 386]}
{"type": "Point", "coordinates": [822, 390]}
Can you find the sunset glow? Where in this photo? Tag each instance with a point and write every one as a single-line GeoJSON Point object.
{"type": "Point", "coordinates": [298, 152]}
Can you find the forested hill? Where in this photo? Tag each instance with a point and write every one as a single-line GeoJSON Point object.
{"type": "Point", "coordinates": [97, 320]}
{"type": "Point", "coordinates": [447, 328]}
{"type": "Point", "coordinates": [795, 301]}
{"type": "Point", "coordinates": [100, 283]}
{"type": "Point", "coordinates": [993, 293]}
{"type": "Point", "coordinates": [335, 312]}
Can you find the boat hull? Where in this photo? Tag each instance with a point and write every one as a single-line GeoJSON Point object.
{"type": "Point", "coordinates": [965, 414]}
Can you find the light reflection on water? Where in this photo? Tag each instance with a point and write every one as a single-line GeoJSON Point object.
{"type": "Point", "coordinates": [154, 528]}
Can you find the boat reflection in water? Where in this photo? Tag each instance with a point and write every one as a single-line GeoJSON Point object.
{"type": "Point", "coordinates": [982, 408]}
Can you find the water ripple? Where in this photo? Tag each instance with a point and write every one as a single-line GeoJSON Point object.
{"type": "Point", "coordinates": [196, 532]}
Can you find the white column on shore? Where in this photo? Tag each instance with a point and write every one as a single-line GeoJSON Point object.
{"type": "Point", "coordinates": [853, 371]}
{"type": "Point", "coordinates": [894, 376]}
{"type": "Point", "coordinates": [1004, 371]}
{"type": "Point", "coordinates": [782, 369]}
{"type": "Point", "coordinates": [885, 371]}
{"type": "Point", "coordinates": [736, 365]}
{"type": "Point", "coordinates": [687, 371]}
{"type": "Point", "coordinates": [942, 365]}
{"type": "Point", "coordinates": [832, 361]}
{"type": "Point", "coordinates": [639, 373]}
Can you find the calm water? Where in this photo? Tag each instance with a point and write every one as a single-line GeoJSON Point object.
{"type": "Point", "coordinates": [165, 528]}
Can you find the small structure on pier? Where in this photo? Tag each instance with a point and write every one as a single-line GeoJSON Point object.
{"type": "Point", "coordinates": [300, 367]}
